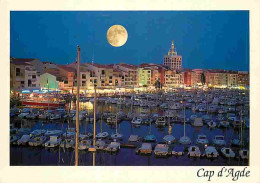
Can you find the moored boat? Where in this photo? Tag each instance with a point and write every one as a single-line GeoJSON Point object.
{"type": "Point", "coordinates": [194, 151]}
{"type": "Point", "coordinates": [211, 152]}
{"type": "Point", "coordinates": [228, 152]}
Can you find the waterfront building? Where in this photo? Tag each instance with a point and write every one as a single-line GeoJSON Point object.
{"type": "Point", "coordinates": [187, 77]}
{"type": "Point", "coordinates": [232, 79]}
{"type": "Point", "coordinates": [197, 77]}
{"type": "Point", "coordinates": [118, 77]}
{"type": "Point", "coordinates": [49, 81]}
{"type": "Point", "coordinates": [243, 79]}
{"type": "Point", "coordinates": [23, 75]}
{"type": "Point", "coordinates": [172, 59]}
{"type": "Point", "coordinates": [217, 78]}
{"type": "Point", "coordinates": [37, 64]}
{"type": "Point", "coordinates": [104, 74]}
{"type": "Point", "coordinates": [68, 76]}
{"type": "Point", "coordinates": [129, 74]}
{"type": "Point", "coordinates": [144, 76]}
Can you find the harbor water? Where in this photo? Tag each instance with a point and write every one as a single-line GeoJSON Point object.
{"type": "Point", "coordinates": [41, 156]}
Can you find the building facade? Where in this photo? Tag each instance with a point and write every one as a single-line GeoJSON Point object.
{"type": "Point", "coordinates": [172, 59]}
{"type": "Point", "coordinates": [49, 81]}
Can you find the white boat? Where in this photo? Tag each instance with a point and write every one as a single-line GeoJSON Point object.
{"type": "Point", "coordinates": [38, 132]}
{"type": "Point", "coordinates": [23, 130]}
{"type": "Point", "coordinates": [133, 138]}
{"type": "Point", "coordinates": [169, 114]}
{"type": "Point", "coordinates": [53, 142]}
{"type": "Point", "coordinates": [23, 115]}
{"type": "Point", "coordinates": [161, 150]}
{"type": "Point", "coordinates": [175, 106]}
{"type": "Point", "coordinates": [69, 134]}
{"type": "Point", "coordinates": [206, 118]}
{"type": "Point", "coordinates": [232, 117]}
{"type": "Point", "coordinates": [211, 152]}
{"type": "Point", "coordinates": [112, 119]}
{"type": "Point", "coordinates": [202, 140]}
{"type": "Point", "coordinates": [143, 115]}
{"type": "Point", "coordinates": [202, 108]}
{"type": "Point", "coordinates": [117, 136]}
{"type": "Point", "coordinates": [220, 117]}
{"type": "Point", "coordinates": [219, 140]}
{"type": "Point", "coordinates": [192, 117]}
{"type": "Point", "coordinates": [228, 152]}
{"type": "Point", "coordinates": [211, 124]}
{"type": "Point", "coordinates": [194, 151]}
{"type": "Point", "coordinates": [212, 108]}
{"type": "Point", "coordinates": [185, 140]}
{"type": "Point", "coordinates": [113, 147]}
{"type": "Point", "coordinates": [100, 144]}
{"type": "Point", "coordinates": [223, 124]}
{"type": "Point", "coordinates": [244, 154]}
{"type": "Point", "coordinates": [146, 148]}
{"type": "Point", "coordinates": [161, 121]}
{"type": "Point", "coordinates": [136, 121]}
{"type": "Point", "coordinates": [169, 139]}
{"type": "Point", "coordinates": [164, 106]}
{"type": "Point", "coordinates": [68, 143]}
{"type": "Point", "coordinates": [81, 117]}
{"type": "Point", "coordinates": [53, 132]}
{"type": "Point", "coordinates": [84, 144]}
{"type": "Point", "coordinates": [46, 115]}
{"type": "Point", "coordinates": [55, 116]}
{"type": "Point", "coordinates": [23, 140]}
{"type": "Point", "coordinates": [130, 115]}
{"type": "Point", "coordinates": [37, 141]}
{"type": "Point", "coordinates": [102, 135]}
{"type": "Point", "coordinates": [42, 115]}
{"type": "Point", "coordinates": [32, 115]}
{"type": "Point", "coordinates": [84, 136]}
{"type": "Point", "coordinates": [198, 122]}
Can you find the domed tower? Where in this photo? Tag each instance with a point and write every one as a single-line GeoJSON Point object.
{"type": "Point", "coordinates": [172, 59]}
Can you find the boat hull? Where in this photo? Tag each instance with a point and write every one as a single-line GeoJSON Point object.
{"type": "Point", "coordinates": [31, 103]}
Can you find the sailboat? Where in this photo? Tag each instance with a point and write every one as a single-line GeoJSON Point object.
{"type": "Point", "coordinates": [100, 144]}
{"type": "Point", "coordinates": [169, 139]}
{"type": "Point", "coordinates": [150, 137]}
{"type": "Point", "coordinates": [116, 136]}
{"type": "Point", "coordinates": [185, 139]}
{"type": "Point", "coordinates": [237, 141]}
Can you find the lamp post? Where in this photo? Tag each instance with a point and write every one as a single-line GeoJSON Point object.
{"type": "Point", "coordinates": [77, 108]}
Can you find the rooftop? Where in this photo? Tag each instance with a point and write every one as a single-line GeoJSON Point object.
{"type": "Point", "coordinates": [21, 61]}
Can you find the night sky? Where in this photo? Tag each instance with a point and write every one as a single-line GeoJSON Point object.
{"type": "Point", "coordinates": [205, 39]}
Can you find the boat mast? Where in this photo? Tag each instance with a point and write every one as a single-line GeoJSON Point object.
{"type": "Point", "coordinates": [48, 93]}
{"type": "Point", "coordinates": [77, 107]}
{"type": "Point", "coordinates": [241, 128]}
{"type": "Point", "coordinates": [94, 115]}
{"type": "Point", "coordinates": [184, 119]}
{"type": "Point", "coordinates": [102, 113]}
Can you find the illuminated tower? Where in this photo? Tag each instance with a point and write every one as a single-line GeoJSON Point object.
{"type": "Point", "coordinates": [173, 60]}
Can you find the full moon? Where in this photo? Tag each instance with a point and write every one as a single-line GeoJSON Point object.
{"type": "Point", "coordinates": [117, 35]}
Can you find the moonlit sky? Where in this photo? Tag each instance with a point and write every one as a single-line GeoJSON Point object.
{"type": "Point", "coordinates": [205, 39]}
